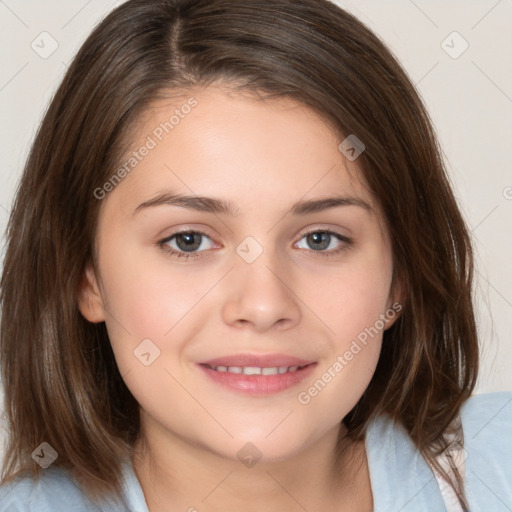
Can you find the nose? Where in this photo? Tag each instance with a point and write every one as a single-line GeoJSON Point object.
{"type": "Point", "coordinates": [259, 296]}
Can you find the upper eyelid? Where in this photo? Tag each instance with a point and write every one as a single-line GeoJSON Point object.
{"type": "Point", "coordinates": [185, 231]}
{"type": "Point", "coordinates": [302, 235]}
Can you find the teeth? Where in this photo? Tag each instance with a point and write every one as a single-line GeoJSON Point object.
{"type": "Point", "coordinates": [256, 370]}
{"type": "Point", "coordinates": [252, 370]}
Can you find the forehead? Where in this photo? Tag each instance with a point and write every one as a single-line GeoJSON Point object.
{"type": "Point", "coordinates": [216, 141]}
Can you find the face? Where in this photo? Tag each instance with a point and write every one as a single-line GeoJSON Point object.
{"type": "Point", "coordinates": [256, 313]}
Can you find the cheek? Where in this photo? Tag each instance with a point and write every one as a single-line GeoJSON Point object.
{"type": "Point", "coordinates": [351, 297]}
{"type": "Point", "coordinates": [151, 298]}
{"type": "Point", "coordinates": [354, 314]}
{"type": "Point", "coordinates": [354, 310]}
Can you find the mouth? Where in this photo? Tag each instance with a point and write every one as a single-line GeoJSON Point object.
{"type": "Point", "coordinates": [256, 370]}
{"type": "Point", "coordinates": [258, 375]}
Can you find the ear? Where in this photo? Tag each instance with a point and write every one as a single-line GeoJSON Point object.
{"type": "Point", "coordinates": [395, 302]}
{"type": "Point", "coordinates": [90, 301]}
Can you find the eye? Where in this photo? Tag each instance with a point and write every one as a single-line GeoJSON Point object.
{"type": "Point", "coordinates": [190, 244]}
{"type": "Point", "coordinates": [320, 240]}
{"type": "Point", "coordinates": [185, 244]}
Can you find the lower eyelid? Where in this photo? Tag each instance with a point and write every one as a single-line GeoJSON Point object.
{"type": "Point", "coordinates": [338, 236]}
{"type": "Point", "coordinates": [165, 242]}
{"type": "Point", "coordinates": [344, 240]}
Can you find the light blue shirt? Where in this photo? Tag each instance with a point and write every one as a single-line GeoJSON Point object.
{"type": "Point", "coordinates": [401, 479]}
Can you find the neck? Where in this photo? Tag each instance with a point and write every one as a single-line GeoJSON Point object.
{"type": "Point", "coordinates": [176, 475]}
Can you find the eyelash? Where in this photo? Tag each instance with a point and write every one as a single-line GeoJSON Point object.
{"type": "Point", "coordinates": [347, 242]}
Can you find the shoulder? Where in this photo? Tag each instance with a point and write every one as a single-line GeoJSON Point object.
{"type": "Point", "coordinates": [54, 491]}
{"type": "Point", "coordinates": [487, 425]}
{"type": "Point", "coordinates": [487, 411]}
{"type": "Point", "coordinates": [400, 475]}
{"type": "Point", "coordinates": [486, 420]}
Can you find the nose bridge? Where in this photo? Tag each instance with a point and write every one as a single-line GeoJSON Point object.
{"type": "Point", "coordinates": [259, 290]}
{"type": "Point", "coordinates": [260, 260]}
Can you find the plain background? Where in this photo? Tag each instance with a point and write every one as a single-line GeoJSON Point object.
{"type": "Point", "coordinates": [467, 91]}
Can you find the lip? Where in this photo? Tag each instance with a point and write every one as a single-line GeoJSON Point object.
{"type": "Point", "coordinates": [263, 360]}
{"type": "Point", "coordinates": [258, 384]}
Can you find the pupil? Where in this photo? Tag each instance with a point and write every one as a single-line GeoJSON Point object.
{"type": "Point", "coordinates": [190, 243]}
{"type": "Point", "coordinates": [322, 238]}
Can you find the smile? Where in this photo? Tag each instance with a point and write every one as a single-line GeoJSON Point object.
{"type": "Point", "coordinates": [257, 375]}
{"type": "Point", "coordinates": [255, 370]}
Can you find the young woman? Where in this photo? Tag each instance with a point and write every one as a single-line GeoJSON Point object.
{"type": "Point", "coordinates": [237, 278]}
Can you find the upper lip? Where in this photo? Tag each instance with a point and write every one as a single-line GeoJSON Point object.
{"type": "Point", "coordinates": [255, 360]}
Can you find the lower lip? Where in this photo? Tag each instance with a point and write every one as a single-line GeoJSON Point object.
{"type": "Point", "coordinates": [259, 384]}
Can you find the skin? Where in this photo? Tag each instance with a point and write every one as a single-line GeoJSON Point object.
{"type": "Point", "coordinates": [263, 156]}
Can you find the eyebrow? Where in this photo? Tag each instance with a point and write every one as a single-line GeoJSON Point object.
{"type": "Point", "coordinates": [219, 206]}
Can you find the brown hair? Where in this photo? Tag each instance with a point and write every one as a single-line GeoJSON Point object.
{"type": "Point", "coordinates": [61, 381]}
